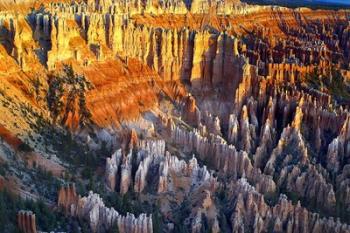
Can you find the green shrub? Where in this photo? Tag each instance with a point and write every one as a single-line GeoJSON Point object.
{"type": "Point", "coordinates": [24, 147]}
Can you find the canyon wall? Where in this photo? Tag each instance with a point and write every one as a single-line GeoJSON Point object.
{"type": "Point", "coordinates": [246, 109]}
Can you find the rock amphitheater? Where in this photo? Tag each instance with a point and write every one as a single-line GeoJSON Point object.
{"type": "Point", "coordinates": [195, 116]}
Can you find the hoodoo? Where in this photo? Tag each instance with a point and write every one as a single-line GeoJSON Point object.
{"type": "Point", "coordinates": [174, 116]}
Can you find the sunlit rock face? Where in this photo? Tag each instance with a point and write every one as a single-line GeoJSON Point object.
{"type": "Point", "coordinates": [207, 116]}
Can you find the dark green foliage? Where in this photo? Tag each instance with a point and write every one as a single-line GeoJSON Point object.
{"type": "Point", "coordinates": [130, 203]}
{"type": "Point", "coordinates": [342, 211]}
{"type": "Point", "coordinates": [157, 220]}
{"type": "Point", "coordinates": [24, 147]}
{"type": "Point", "coordinates": [181, 228]}
{"type": "Point", "coordinates": [85, 228]}
{"type": "Point", "coordinates": [54, 96]}
{"type": "Point", "coordinates": [223, 222]}
{"type": "Point", "coordinates": [205, 225]}
{"type": "Point", "coordinates": [73, 86]}
{"type": "Point", "coordinates": [271, 198]}
{"type": "Point", "coordinates": [113, 229]}
{"type": "Point", "coordinates": [46, 184]}
{"type": "Point", "coordinates": [105, 150]}
{"type": "Point", "coordinates": [84, 113]}
{"type": "Point", "coordinates": [87, 173]}
{"type": "Point", "coordinates": [293, 196]}
{"type": "Point", "coordinates": [334, 85]}
{"type": "Point", "coordinates": [36, 87]}
{"type": "Point", "coordinates": [81, 189]}
{"type": "Point", "coordinates": [46, 219]}
{"type": "Point", "coordinates": [221, 194]}
{"type": "Point", "coordinates": [127, 203]}
{"type": "Point", "coordinates": [75, 227]}
{"type": "Point", "coordinates": [73, 152]}
{"type": "Point", "coordinates": [180, 215]}
{"type": "Point", "coordinates": [313, 79]}
{"type": "Point", "coordinates": [224, 203]}
{"type": "Point", "coordinates": [3, 169]}
{"type": "Point", "coordinates": [338, 88]}
{"type": "Point", "coordinates": [9, 205]}
{"type": "Point", "coordinates": [96, 184]}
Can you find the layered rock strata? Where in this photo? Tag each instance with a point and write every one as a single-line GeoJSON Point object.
{"type": "Point", "coordinates": [264, 118]}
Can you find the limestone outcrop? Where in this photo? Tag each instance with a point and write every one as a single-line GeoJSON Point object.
{"type": "Point", "coordinates": [168, 172]}
{"type": "Point", "coordinates": [251, 212]}
{"type": "Point", "coordinates": [225, 158]}
{"type": "Point", "coordinates": [99, 217]}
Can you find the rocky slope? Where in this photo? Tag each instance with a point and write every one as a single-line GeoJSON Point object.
{"type": "Point", "coordinates": [173, 116]}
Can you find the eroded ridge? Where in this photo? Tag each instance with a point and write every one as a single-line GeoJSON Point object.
{"type": "Point", "coordinates": [174, 116]}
